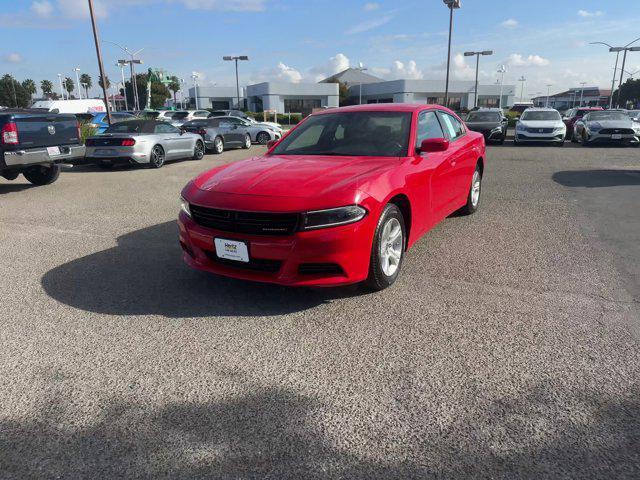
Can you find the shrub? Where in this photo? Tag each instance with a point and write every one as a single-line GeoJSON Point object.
{"type": "Point", "coordinates": [86, 131]}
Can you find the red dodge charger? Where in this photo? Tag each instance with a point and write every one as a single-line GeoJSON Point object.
{"type": "Point", "coordinates": [338, 200]}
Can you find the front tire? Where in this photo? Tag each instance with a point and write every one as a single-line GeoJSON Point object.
{"type": "Point", "coordinates": [387, 253]}
{"type": "Point", "coordinates": [263, 138]}
{"type": "Point", "coordinates": [198, 151]}
{"type": "Point", "coordinates": [247, 142]}
{"type": "Point", "coordinates": [218, 145]}
{"type": "Point", "coordinates": [42, 175]}
{"type": "Point", "coordinates": [473, 198]}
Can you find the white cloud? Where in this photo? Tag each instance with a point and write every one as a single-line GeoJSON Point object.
{"type": "Point", "coordinates": [335, 65]}
{"type": "Point", "coordinates": [42, 8]}
{"type": "Point", "coordinates": [461, 69]}
{"type": "Point", "coordinates": [369, 25]}
{"type": "Point", "coordinates": [80, 8]}
{"type": "Point", "coordinates": [12, 58]}
{"type": "Point", "coordinates": [371, 6]}
{"type": "Point", "coordinates": [399, 70]}
{"type": "Point", "coordinates": [587, 14]}
{"type": "Point", "coordinates": [511, 23]}
{"type": "Point", "coordinates": [287, 74]}
{"type": "Point", "coordinates": [225, 5]}
{"type": "Point", "coordinates": [518, 60]}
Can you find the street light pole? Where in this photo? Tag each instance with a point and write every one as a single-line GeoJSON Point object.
{"type": "Point", "coordinates": [124, 85]}
{"type": "Point", "coordinates": [523, 80]}
{"type": "Point", "coordinates": [451, 4]}
{"type": "Point", "coordinates": [477, 55]}
{"type": "Point", "coordinates": [548, 89]}
{"type": "Point", "coordinates": [61, 86]}
{"type": "Point", "coordinates": [582, 92]}
{"type": "Point", "coordinates": [100, 65]}
{"type": "Point", "coordinates": [77, 70]}
{"type": "Point", "coordinates": [230, 58]}
{"type": "Point", "coordinates": [361, 69]}
{"type": "Point", "coordinates": [194, 75]}
{"type": "Point", "coordinates": [501, 70]}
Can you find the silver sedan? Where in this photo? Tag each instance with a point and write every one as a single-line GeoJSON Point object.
{"type": "Point", "coordinates": [260, 132]}
{"type": "Point", "coordinates": [143, 142]}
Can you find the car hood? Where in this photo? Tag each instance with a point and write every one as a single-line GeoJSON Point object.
{"type": "Point", "coordinates": [542, 123]}
{"type": "Point", "coordinates": [612, 123]}
{"type": "Point", "coordinates": [292, 175]}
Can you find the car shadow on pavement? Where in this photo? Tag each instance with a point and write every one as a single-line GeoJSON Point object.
{"type": "Point", "coordinates": [145, 274]}
{"type": "Point", "coordinates": [597, 178]}
{"type": "Point", "coordinates": [272, 432]}
{"type": "Point", "coordinates": [14, 187]}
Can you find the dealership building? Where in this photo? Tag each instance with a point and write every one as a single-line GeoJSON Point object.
{"type": "Point", "coordinates": [286, 97]}
{"type": "Point", "coordinates": [587, 96]}
{"type": "Point", "coordinates": [461, 93]}
{"type": "Point", "coordinates": [216, 97]}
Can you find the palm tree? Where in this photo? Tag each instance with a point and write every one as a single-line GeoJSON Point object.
{"type": "Point", "coordinates": [29, 86]}
{"type": "Point", "coordinates": [47, 88]}
{"type": "Point", "coordinates": [69, 86]}
{"type": "Point", "coordinates": [87, 82]}
{"type": "Point", "coordinates": [107, 82]}
{"type": "Point", "coordinates": [174, 86]}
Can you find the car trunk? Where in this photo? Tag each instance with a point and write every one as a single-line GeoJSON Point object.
{"type": "Point", "coordinates": [46, 130]}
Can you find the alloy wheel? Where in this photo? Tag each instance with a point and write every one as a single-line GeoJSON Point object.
{"type": "Point", "coordinates": [157, 156]}
{"type": "Point", "coordinates": [476, 184]}
{"type": "Point", "coordinates": [263, 138]}
{"type": "Point", "coordinates": [391, 243]}
{"type": "Point", "coordinates": [218, 146]}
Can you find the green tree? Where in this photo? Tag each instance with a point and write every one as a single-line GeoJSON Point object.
{"type": "Point", "coordinates": [12, 93]}
{"type": "Point", "coordinates": [107, 82]}
{"type": "Point", "coordinates": [159, 92]}
{"type": "Point", "coordinates": [29, 86]}
{"type": "Point", "coordinates": [69, 85]}
{"type": "Point", "coordinates": [87, 82]}
{"type": "Point", "coordinates": [174, 86]}
{"type": "Point", "coordinates": [629, 93]}
{"type": "Point", "coordinates": [47, 88]}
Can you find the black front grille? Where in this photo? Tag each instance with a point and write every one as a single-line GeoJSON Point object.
{"type": "Point", "coordinates": [255, 264]}
{"type": "Point", "coordinates": [613, 131]}
{"type": "Point", "coordinates": [254, 223]}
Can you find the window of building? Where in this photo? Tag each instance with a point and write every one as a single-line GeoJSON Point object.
{"type": "Point", "coordinates": [300, 105]}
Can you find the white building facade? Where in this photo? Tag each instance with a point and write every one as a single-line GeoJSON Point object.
{"type": "Point", "coordinates": [292, 97]}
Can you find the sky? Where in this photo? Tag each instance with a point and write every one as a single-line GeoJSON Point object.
{"type": "Point", "coordinates": [546, 41]}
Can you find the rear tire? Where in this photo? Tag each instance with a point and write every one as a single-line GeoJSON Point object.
{"type": "Point", "coordinates": [387, 253]}
{"type": "Point", "coordinates": [198, 151]}
{"type": "Point", "coordinates": [42, 175]}
{"type": "Point", "coordinates": [247, 142]}
{"type": "Point", "coordinates": [218, 145]}
{"type": "Point", "coordinates": [157, 157]}
{"type": "Point", "coordinates": [473, 198]}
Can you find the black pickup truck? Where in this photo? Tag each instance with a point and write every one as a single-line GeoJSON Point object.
{"type": "Point", "coordinates": [35, 143]}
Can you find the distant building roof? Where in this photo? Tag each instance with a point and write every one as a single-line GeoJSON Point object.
{"type": "Point", "coordinates": [588, 92]}
{"type": "Point", "coordinates": [351, 76]}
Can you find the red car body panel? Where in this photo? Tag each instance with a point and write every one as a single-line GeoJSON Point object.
{"type": "Point", "coordinates": [434, 185]}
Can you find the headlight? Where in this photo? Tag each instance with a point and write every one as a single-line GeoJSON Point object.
{"type": "Point", "coordinates": [332, 217]}
{"type": "Point", "coordinates": [560, 129]}
{"type": "Point", "coordinates": [496, 130]}
{"type": "Point", "coordinates": [594, 127]}
{"type": "Point", "coordinates": [521, 127]}
{"type": "Point", "coordinates": [184, 206]}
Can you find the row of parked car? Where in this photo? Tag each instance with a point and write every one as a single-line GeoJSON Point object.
{"type": "Point", "coordinates": [586, 125]}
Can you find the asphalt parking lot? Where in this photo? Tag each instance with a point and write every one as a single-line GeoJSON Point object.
{"type": "Point", "coordinates": [508, 349]}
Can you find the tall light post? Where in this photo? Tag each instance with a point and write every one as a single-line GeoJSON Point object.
{"type": "Point", "coordinates": [477, 55]}
{"type": "Point", "coordinates": [522, 80]}
{"type": "Point", "coordinates": [96, 39]}
{"type": "Point", "coordinates": [502, 69]}
{"type": "Point", "coordinates": [549, 85]}
{"type": "Point", "coordinates": [360, 68]}
{"type": "Point", "coordinates": [582, 92]}
{"type": "Point", "coordinates": [61, 85]}
{"type": "Point", "coordinates": [617, 50]}
{"type": "Point", "coordinates": [451, 5]}
{"type": "Point", "coordinates": [77, 70]}
{"type": "Point", "coordinates": [124, 84]}
{"type": "Point", "coordinates": [242, 58]}
{"type": "Point", "coordinates": [182, 82]}
{"type": "Point", "coordinates": [195, 76]}
{"type": "Point", "coordinates": [131, 62]}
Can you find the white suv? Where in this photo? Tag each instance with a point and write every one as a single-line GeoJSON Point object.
{"type": "Point", "coordinates": [540, 125]}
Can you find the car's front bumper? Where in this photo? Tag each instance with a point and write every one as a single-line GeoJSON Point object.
{"type": "Point", "coordinates": [18, 159]}
{"type": "Point", "coordinates": [322, 258]}
{"type": "Point", "coordinates": [595, 137]}
{"type": "Point", "coordinates": [555, 137]}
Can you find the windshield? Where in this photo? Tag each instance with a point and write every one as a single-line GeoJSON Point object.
{"type": "Point", "coordinates": [540, 115]}
{"type": "Point", "coordinates": [484, 117]}
{"type": "Point", "coordinates": [634, 113]}
{"type": "Point", "coordinates": [179, 115]}
{"type": "Point", "coordinates": [598, 116]}
{"type": "Point", "coordinates": [372, 134]}
{"type": "Point", "coordinates": [125, 127]}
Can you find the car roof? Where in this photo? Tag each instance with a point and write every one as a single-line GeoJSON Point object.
{"type": "Point", "coordinates": [383, 107]}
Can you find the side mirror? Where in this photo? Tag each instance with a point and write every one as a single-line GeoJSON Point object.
{"type": "Point", "coordinates": [271, 144]}
{"type": "Point", "coordinates": [433, 145]}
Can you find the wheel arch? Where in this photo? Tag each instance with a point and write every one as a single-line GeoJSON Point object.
{"type": "Point", "coordinates": [480, 163]}
{"type": "Point", "coordinates": [403, 203]}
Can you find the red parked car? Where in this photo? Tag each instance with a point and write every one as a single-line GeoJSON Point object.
{"type": "Point", "coordinates": [573, 115]}
{"type": "Point", "coordinates": [338, 200]}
